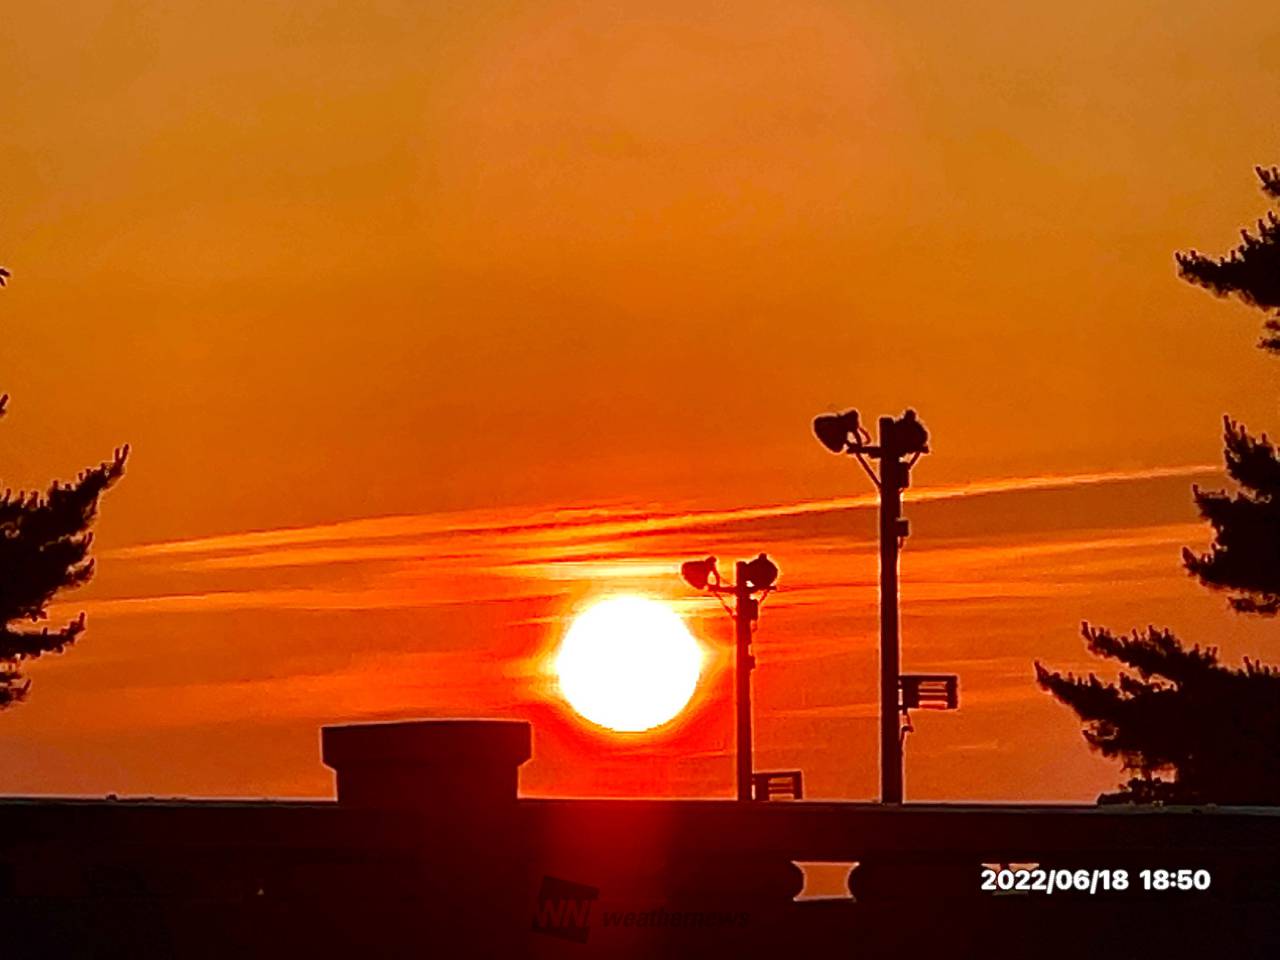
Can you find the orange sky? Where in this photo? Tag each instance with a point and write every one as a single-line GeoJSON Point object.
{"type": "Point", "coordinates": [393, 278]}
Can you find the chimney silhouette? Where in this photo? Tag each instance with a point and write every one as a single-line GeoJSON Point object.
{"type": "Point", "coordinates": [463, 764]}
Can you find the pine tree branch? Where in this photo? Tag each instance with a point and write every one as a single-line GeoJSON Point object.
{"type": "Point", "coordinates": [1251, 462]}
{"type": "Point", "coordinates": [1245, 554]}
{"type": "Point", "coordinates": [1251, 270]}
{"type": "Point", "coordinates": [27, 645]}
{"type": "Point", "coordinates": [13, 686]}
{"type": "Point", "coordinates": [1192, 730]}
{"type": "Point", "coordinates": [1270, 178]}
{"type": "Point", "coordinates": [44, 547]}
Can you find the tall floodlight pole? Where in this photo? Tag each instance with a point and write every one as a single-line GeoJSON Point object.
{"type": "Point", "coordinates": [900, 444]}
{"type": "Point", "coordinates": [893, 475]}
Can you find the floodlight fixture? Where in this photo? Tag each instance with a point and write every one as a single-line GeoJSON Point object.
{"type": "Point", "coordinates": [909, 435]}
{"type": "Point", "coordinates": [700, 574]}
{"type": "Point", "coordinates": [761, 573]}
{"type": "Point", "coordinates": [839, 431]}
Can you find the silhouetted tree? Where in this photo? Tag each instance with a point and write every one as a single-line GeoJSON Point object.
{"type": "Point", "coordinates": [1245, 554]}
{"type": "Point", "coordinates": [1192, 730]}
{"type": "Point", "coordinates": [44, 548]}
{"type": "Point", "coordinates": [1251, 271]}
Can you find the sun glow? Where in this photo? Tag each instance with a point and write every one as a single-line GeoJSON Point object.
{"type": "Point", "coordinates": [628, 664]}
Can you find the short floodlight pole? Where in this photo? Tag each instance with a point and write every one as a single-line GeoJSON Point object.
{"type": "Point", "coordinates": [751, 577]}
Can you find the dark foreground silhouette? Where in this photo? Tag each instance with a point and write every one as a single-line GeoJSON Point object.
{"type": "Point", "coordinates": [429, 852]}
{"type": "Point", "coordinates": [1187, 728]}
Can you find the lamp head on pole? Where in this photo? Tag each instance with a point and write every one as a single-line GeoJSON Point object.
{"type": "Point", "coordinates": [761, 573]}
{"type": "Point", "coordinates": [838, 431]}
{"type": "Point", "coordinates": [700, 574]}
{"type": "Point", "coordinates": [909, 434]}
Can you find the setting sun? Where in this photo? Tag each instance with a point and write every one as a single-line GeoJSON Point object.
{"type": "Point", "coordinates": [628, 664]}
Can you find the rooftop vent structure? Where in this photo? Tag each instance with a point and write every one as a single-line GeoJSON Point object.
{"type": "Point", "coordinates": [418, 764]}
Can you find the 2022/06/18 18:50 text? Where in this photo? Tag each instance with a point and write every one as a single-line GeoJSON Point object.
{"type": "Point", "coordinates": [1094, 881]}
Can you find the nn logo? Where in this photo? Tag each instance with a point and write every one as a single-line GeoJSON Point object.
{"type": "Point", "coordinates": [564, 909]}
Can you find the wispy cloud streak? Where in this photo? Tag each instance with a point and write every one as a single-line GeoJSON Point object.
{"type": "Point", "coordinates": [374, 538]}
